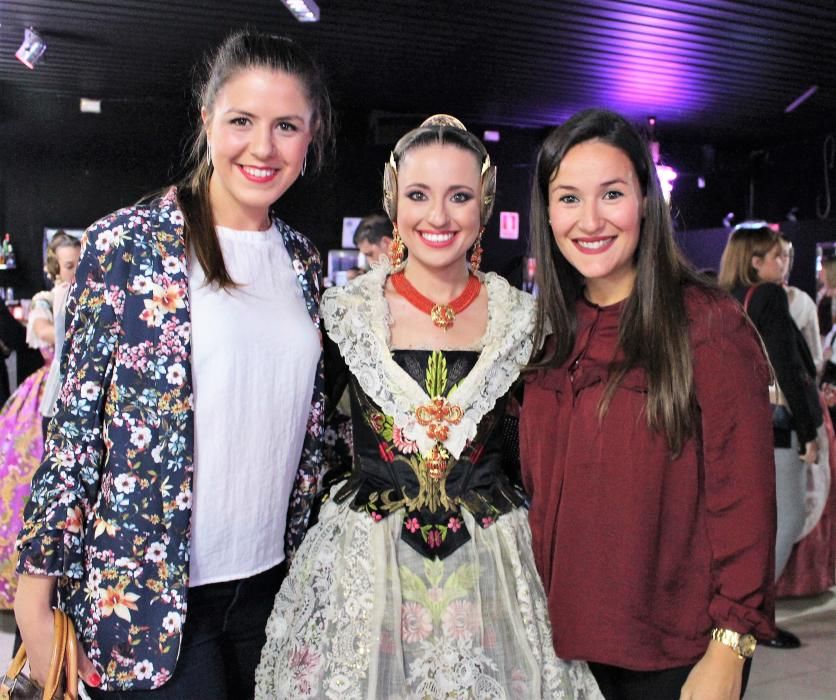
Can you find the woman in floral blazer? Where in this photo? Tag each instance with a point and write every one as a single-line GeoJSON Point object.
{"type": "Point", "coordinates": [113, 514]}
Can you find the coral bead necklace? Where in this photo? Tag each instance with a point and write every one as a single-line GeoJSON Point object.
{"type": "Point", "coordinates": [442, 315]}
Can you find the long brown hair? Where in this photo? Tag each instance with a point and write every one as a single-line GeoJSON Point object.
{"type": "Point", "coordinates": [242, 50]}
{"type": "Point", "coordinates": [653, 329]}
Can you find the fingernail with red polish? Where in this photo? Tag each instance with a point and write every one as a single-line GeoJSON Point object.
{"type": "Point", "coordinates": [95, 680]}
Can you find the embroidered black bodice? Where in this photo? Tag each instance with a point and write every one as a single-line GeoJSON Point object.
{"type": "Point", "coordinates": [389, 474]}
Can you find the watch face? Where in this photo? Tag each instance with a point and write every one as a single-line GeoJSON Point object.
{"type": "Point", "coordinates": [747, 644]}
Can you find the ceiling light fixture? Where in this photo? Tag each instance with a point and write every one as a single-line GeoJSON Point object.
{"type": "Point", "coordinates": [31, 49]}
{"type": "Point", "coordinates": [801, 99]}
{"type": "Point", "coordinates": [90, 106]}
{"type": "Point", "coordinates": [303, 10]}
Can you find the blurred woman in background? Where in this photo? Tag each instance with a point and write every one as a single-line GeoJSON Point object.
{"type": "Point", "coordinates": [22, 421]}
{"type": "Point", "coordinates": [752, 268]}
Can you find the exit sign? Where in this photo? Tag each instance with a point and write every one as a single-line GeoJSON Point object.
{"type": "Point", "coordinates": [509, 225]}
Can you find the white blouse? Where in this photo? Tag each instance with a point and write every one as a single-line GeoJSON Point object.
{"type": "Point", "coordinates": [52, 386]}
{"type": "Point", "coordinates": [40, 310]}
{"type": "Point", "coordinates": [804, 313]}
{"type": "Point", "coordinates": [254, 358]}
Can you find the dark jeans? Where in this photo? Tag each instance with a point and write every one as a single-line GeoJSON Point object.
{"type": "Point", "coordinates": [222, 641]}
{"type": "Point", "coordinates": [623, 684]}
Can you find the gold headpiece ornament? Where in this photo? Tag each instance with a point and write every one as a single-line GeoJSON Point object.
{"type": "Point", "coordinates": [488, 173]}
{"type": "Point", "coordinates": [443, 120]}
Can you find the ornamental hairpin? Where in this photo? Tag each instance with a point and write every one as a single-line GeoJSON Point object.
{"type": "Point", "coordinates": [443, 120]}
{"type": "Point", "coordinates": [486, 164]}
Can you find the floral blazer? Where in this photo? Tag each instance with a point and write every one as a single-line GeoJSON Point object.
{"type": "Point", "coordinates": [111, 502]}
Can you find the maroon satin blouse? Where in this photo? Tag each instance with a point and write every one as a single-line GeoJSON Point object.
{"type": "Point", "coordinates": [640, 554]}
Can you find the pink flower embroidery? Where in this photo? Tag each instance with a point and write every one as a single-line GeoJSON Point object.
{"type": "Point", "coordinates": [519, 684]}
{"type": "Point", "coordinates": [457, 620]}
{"type": "Point", "coordinates": [454, 524]}
{"type": "Point", "coordinates": [434, 539]}
{"type": "Point", "coordinates": [487, 521]}
{"type": "Point", "coordinates": [377, 517]}
{"type": "Point", "coordinates": [404, 446]}
{"type": "Point", "coordinates": [386, 453]}
{"type": "Point", "coordinates": [412, 524]}
{"type": "Point", "coordinates": [416, 623]}
{"type": "Point", "coordinates": [304, 664]}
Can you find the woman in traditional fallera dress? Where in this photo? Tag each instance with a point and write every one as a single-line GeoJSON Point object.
{"type": "Point", "coordinates": [21, 449]}
{"type": "Point", "coordinates": [419, 581]}
{"type": "Point", "coordinates": [21, 436]}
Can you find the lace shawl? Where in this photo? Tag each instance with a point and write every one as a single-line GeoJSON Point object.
{"type": "Point", "coordinates": [357, 319]}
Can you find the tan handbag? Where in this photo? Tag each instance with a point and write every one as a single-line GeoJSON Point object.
{"type": "Point", "coordinates": [62, 679]}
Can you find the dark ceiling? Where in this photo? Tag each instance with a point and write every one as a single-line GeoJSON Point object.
{"type": "Point", "coordinates": [706, 69]}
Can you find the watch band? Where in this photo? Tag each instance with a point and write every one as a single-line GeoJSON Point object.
{"type": "Point", "coordinates": [742, 644]}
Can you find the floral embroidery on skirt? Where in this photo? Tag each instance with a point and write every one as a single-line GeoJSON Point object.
{"type": "Point", "coordinates": [363, 615]}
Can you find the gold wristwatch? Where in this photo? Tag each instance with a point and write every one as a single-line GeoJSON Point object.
{"type": "Point", "coordinates": [742, 644]}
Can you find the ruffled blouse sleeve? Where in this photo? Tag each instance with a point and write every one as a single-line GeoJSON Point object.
{"type": "Point", "coordinates": [40, 310]}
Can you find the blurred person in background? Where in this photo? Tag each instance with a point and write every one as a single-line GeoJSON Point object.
{"type": "Point", "coordinates": [802, 307]}
{"type": "Point", "coordinates": [825, 295]}
{"type": "Point", "coordinates": [373, 237]}
{"type": "Point", "coordinates": [12, 339]}
{"type": "Point", "coordinates": [22, 418]}
{"type": "Point", "coordinates": [753, 268]}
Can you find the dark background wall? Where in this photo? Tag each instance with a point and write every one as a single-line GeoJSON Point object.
{"type": "Point", "coordinates": [76, 182]}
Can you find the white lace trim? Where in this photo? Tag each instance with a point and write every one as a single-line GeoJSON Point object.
{"type": "Point", "coordinates": [357, 320]}
{"type": "Point", "coordinates": [362, 615]}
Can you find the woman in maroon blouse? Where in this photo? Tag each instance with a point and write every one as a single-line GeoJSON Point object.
{"type": "Point", "coordinates": [653, 498]}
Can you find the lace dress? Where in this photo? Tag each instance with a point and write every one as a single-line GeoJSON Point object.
{"type": "Point", "coordinates": [418, 580]}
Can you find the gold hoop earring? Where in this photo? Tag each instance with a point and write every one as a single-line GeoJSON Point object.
{"type": "Point", "coordinates": [476, 255]}
{"type": "Point", "coordinates": [396, 249]}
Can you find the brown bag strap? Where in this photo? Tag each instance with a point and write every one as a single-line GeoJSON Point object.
{"type": "Point", "coordinates": [59, 641]}
{"type": "Point", "coordinates": [71, 663]}
{"type": "Point", "coordinates": [748, 297]}
{"type": "Point", "coordinates": [18, 662]}
{"type": "Point", "coordinates": [63, 665]}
